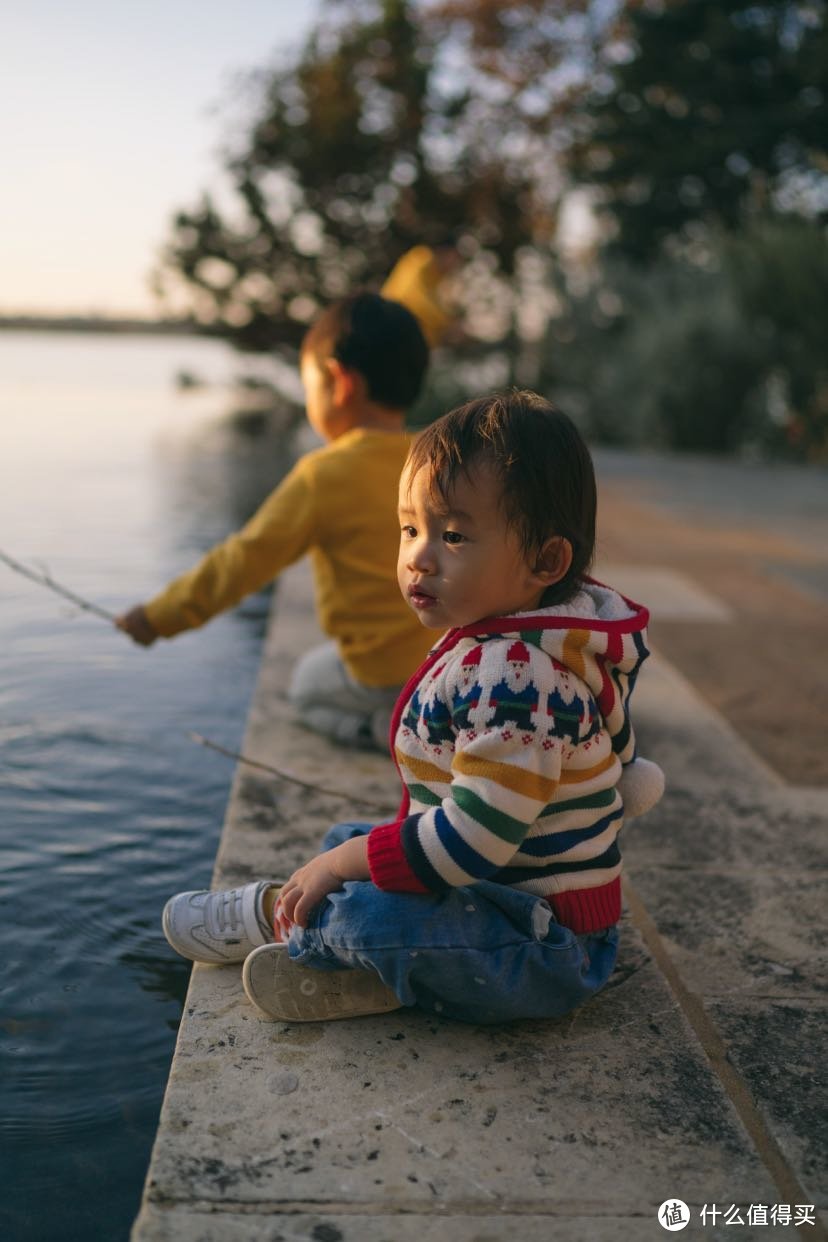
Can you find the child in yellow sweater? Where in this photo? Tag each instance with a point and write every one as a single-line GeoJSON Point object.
{"type": "Point", "coordinates": [362, 363]}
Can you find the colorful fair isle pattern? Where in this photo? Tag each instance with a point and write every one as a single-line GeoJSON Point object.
{"type": "Point", "coordinates": [509, 741]}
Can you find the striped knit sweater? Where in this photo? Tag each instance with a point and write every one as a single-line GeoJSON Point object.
{"type": "Point", "coordinates": [510, 740]}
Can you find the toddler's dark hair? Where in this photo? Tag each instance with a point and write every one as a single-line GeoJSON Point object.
{"type": "Point", "coordinates": [544, 467]}
{"type": "Point", "coordinates": [378, 338]}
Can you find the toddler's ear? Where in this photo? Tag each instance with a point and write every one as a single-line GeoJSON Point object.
{"type": "Point", "coordinates": [343, 381]}
{"type": "Point", "coordinates": [554, 560]}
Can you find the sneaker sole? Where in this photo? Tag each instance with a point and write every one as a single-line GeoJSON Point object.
{"type": "Point", "coordinates": [282, 989]}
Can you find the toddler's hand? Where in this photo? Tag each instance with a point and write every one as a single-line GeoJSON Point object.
{"type": "Point", "coordinates": [281, 923]}
{"type": "Point", "coordinates": [326, 873]}
{"type": "Point", "coordinates": [305, 889]}
{"type": "Point", "coordinates": [137, 624]}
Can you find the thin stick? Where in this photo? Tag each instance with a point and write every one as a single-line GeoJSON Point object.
{"type": "Point", "coordinates": [46, 580]}
{"type": "Point", "coordinates": [285, 776]}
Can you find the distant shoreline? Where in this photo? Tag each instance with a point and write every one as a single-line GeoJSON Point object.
{"type": "Point", "coordinates": [92, 323]}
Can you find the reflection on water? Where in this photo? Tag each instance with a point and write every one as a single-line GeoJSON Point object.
{"type": "Point", "coordinates": [114, 482]}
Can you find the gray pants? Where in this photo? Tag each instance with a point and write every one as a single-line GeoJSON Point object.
{"type": "Point", "coordinates": [329, 701]}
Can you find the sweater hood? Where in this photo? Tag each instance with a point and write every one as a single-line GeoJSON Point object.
{"type": "Point", "coordinates": [599, 635]}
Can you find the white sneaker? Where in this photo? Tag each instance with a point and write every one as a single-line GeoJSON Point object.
{"type": "Point", "coordinates": [282, 989]}
{"type": "Point", "coordinates": [218, 927]}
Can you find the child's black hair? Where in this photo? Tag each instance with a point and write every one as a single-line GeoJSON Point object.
{"type": "Point", "coordinates": [545, 470]}
{"type": "Point", "coordinates": [378, 338]}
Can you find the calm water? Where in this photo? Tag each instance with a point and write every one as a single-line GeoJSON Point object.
{"type": "Point", "coordinates": [113, 482]}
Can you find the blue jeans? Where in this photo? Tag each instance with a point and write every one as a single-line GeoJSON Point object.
{"type": "Point", "coordinates": [483, 953]}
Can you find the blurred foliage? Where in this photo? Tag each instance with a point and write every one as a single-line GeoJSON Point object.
{"type": "Point", "coordinates": [779, 270]}
{"type": "Point", "coordinates": [393, 126]}
{"type": "Point", "coordinates": [715, 357]}
{"type": "Point", "coordinates": [707, 111]}
{"type": "Point", "coordinates": [696, 129]}
{"type": "Point", "coordinates": [703, 142]}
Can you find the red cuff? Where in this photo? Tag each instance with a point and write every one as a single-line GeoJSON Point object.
{"type": "Point", "coordinates": [587, 910]}
{"type": "Point", "coordinates": [387, 862]}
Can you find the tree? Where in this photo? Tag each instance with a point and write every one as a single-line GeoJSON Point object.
{"type": "Point", "coordinates": [660, 356]}
{"type": "Point", "coordinates": [707, 112]}
{"type": "Point", "coordinates": [707, 357]}
{"type": "Point", "coordinates": [352, 156]}
{"type": "Point", "coordinates": [395, 124]}
{"type": "Point", "coordinates": [779, 272]}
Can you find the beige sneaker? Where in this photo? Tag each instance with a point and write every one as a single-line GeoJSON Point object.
{"type": "Point", "coordinates": [282, 989]}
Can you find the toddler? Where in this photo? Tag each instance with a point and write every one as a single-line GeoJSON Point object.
{"type": "Point", "coordinates": [495, 892]}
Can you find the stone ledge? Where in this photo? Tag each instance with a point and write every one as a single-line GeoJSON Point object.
{"type": "Point", "coordinates": [407, 1124]}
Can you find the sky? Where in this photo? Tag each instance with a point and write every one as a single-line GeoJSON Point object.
{"type": "Point", "coordinates": [111, 118]}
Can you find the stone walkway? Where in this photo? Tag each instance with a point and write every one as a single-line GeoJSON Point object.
{"type": "Point", "coordinates": [693, 1077]}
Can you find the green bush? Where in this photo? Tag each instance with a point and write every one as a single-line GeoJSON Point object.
{"type": "Point", "coordinates": [714, 357]}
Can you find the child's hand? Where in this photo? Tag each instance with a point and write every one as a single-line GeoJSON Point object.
{"type": "Point", "coordinates": [326, 873]}
{"type": "Point", "coordinates": [137, 624]}
{"type": "Point", "coordinates": [306, 888]}
{"type": "Point", "coordinates": [281, 923]}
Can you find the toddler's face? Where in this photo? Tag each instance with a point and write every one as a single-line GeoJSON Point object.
{"type": "Point", "coordinates": [461, 564]}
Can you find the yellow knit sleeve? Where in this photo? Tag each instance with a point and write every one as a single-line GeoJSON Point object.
{"type": "Point", "coordinates": [279, 533]}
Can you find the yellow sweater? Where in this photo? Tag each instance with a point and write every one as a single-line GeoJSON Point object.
{"type": "Point", "coordinates": [338, 503]}
{"type": "Point", "coordinates": [415, 281]}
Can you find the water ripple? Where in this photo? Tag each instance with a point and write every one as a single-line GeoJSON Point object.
{"type": "Point", "coordinates": [105, 806]}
